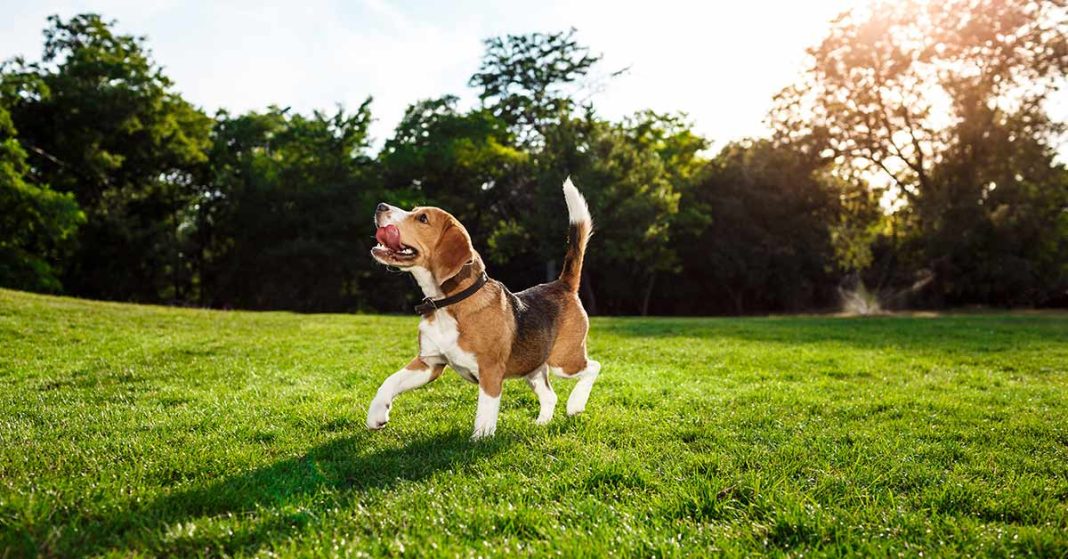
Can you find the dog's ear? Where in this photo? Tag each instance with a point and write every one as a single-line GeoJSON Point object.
{"type": "Point", "coordinates": [451, 253]}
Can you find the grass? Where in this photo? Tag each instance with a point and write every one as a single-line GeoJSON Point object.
{"type": "Point", "coordinates": [130, 430]}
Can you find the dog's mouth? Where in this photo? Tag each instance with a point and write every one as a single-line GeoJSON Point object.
{"type": "Point", "coordinates": [390, 247]}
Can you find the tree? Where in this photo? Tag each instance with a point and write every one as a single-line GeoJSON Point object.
{"type": "Point", "coordinates": [523, 79]}
{"type": "Point", "coordinates": [946, 99]}
{"type": "Point", "coordinates": [285, 222]}
{"type": "Point", "coordinates": [470, 164]}
{"type": "Point", "coordinates": [101, 121]}
{"type": "Point", "coordinates": [994, 224]}
{"type": "Point", "coordinates": [767, 243]}
{"type": "Point", "coordinates": [633, 173]}
{"type": "Point", "coordinates": [461, 161]}
{"type": "Point", "coordinates": [36, 223]}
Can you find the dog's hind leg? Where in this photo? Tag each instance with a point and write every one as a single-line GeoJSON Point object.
{"type": "Point", "coordinates": [576, 402]}
{"type": "Point", "coordinates": [568, 358]}
{"type": "Point", "coordinates": [586, 374]}
{"type": "Point", "coordinates": [539, 383]}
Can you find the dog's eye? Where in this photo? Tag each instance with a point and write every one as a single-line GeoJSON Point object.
{"type": "Point", "coordinates": [423, 218]}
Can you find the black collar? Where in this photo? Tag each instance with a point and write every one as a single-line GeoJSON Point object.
{"type": "Point", "coordinates": [430, 305]}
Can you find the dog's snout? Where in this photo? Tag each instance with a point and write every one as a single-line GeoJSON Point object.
{"type": "Point", "coordinates": [382, 207]}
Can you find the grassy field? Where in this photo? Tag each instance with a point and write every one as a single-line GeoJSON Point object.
{"type": "Point", "coordinates": [130, 430]}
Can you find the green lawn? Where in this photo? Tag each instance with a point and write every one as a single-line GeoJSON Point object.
{"type": "Point", "coordinates": [131, 430]}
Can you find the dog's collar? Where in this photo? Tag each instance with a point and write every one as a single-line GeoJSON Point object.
{"type": "Point", "coordinates": [430, 305]}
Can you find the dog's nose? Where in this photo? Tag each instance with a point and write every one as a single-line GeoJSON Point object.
{"type": "Point", "coordinates": [382, 208]}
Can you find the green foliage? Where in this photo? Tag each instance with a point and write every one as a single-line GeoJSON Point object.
{"type": "Point", "coordinates": [860, 221]}
{"type": "Point", "coordinates": [460, 161]}
{"type": "Point", "coordinates": [767, 244]}
{"type": "Point", "coordinates": [101, 122]}
{"type": "Point", "coordinates": [508, 193]}
{"type": "Point", "coordinates": [36, 223]}
{"type": "Point", "coordinates": [145, 431]}
{"type": "Point", "coordinates": [632, 173]}
{"type": "Point", "coordinates": [284, 221]}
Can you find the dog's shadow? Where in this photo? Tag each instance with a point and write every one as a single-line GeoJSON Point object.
{"type": "Point", "coordinates": [339, 468]}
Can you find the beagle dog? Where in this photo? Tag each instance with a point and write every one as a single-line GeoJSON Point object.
{"type": "Point", "coordinates": [478, 327]}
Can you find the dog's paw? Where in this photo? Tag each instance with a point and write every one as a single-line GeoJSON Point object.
{"type": "Point", "coordinates": [547, 408]}
{"type": "Point", "coordinates": [483, 432]}
{"type": "Point", "coordinates": [378, 415]}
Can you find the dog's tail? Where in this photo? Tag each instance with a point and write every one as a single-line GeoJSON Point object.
{"type": "Point", "coordinates": [578, 233]}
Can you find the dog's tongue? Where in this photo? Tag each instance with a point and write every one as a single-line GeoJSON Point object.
{"type": "Point", "coordinates": [389, 236]}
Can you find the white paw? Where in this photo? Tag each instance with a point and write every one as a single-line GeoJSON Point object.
{"type": "Point", "coordinates": [576, 403]}
{"type": "Point", "coordinates": [483, 432]}
{"type": "Point", "coordinates": [547, 409]}
{"type": "Point", "coordinates": [378, 414]}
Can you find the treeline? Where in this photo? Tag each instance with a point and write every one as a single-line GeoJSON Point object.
{"type": "Point", "coordinates": [914, 160]}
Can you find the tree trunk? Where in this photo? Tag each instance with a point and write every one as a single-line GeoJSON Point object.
{"type": "Point", "coordinates": [648, 294]}
{"type": "Point", "coordinates": [176, 263]}
{"type": "Point", "coordinates": [736, 298]}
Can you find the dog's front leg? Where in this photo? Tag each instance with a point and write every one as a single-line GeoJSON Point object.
{"type": "Point", "coordinates": [415, 374]}
{"type": "Point", "coordinates": [489, 403]}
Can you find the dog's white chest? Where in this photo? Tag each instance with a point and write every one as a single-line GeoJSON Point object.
{"type": "Point", "coordinates": [440, 338]}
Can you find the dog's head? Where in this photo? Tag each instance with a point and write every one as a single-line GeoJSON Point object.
{"type": "Point", "coordinates": [427, 237]}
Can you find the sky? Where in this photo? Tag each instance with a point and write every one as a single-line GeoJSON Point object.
{"type": "Point", "coordinates": [718, 61]}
